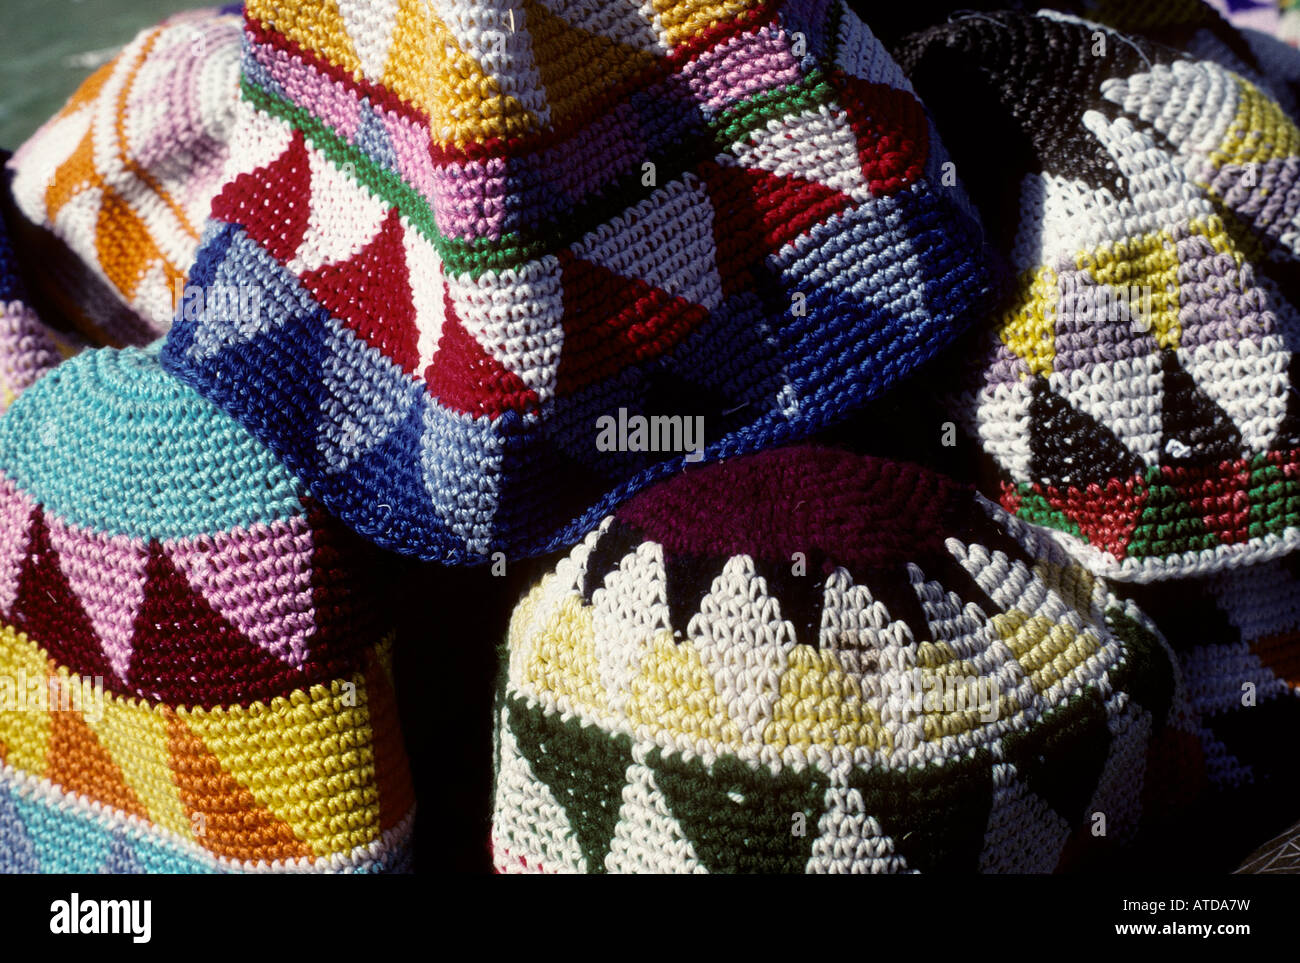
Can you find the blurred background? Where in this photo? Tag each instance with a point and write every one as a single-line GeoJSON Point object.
{"type": "Point", "coordinates": [48, 47]}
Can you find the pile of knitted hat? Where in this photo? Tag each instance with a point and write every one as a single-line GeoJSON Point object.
{"type": "Point", "coordinates": [479, 281]}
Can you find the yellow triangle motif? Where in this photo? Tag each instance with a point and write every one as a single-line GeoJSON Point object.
{"type": "Point", "coordinates": [295, 755]}
{"type": "Point", "coordinates": [1147, 264]}
{"type": "Point", "coordinates": [821, 705]}
{"type": "Point", "coordinates": [1029, 328]}
{"type": "Point", "coordinates": [1047, 650]}
{"type": "Point", "coordinates": [1260, 132]}
{"type": "Point", "coordinates": [674, 695]}
{"type": "Point", "coordinates": [683, 19]}
{"type": "Point", "coordinates": [428, 68]}
{"type": "Point", "coordinates": [316, 26]}
{"type": "Point", "coordinates": [577, 66]}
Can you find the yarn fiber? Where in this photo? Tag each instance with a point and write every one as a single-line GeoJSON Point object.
{"type": "Point", "coordinates": [115, 188]}
{"type": "Point", "coordinates": [1137, 390]}
{"type": "Point", "coordinates": [478, 229]}
{"type": "Point", "coordinates": [738, 653]}
{"type": "Point", "coordinates": [194, 658]}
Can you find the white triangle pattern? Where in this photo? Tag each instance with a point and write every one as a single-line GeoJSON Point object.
{"type": "Point", "coordinates": [666, 241]}
{"type": "Point", "coordinates": [496, 36]}
{"type": "Point", "coordinates": [850, 839]}
{"type": "Point", "coordinates": [815, 145]}
{"type": "Point", "coordinates": [1191, 103]}
{"type": "Point", "coordinates": [627, 613]}
{"type": "Point", "coordinates": [648, 838]}
{"type": "Point", "coordinates": [528, 820]}
{"type": "Point", "coordinates": [744, 644]}
{"type": "Point", "coordinates": [369, 24]}
{"type": "Point", "coordinates": [343, 217]}
{"type": "Point", "coordinates": [1247, 380]}
{"type": "Point", "coordinates": [515, 315]}
{"type": "Point", "coordinates": [424, 272]}
{"type": "Point", "coordinates": [1024, 834]}
{"type": "Point", "coordinates": [1126, 395]}
{"type": "Point", "coordinates": [1002, 423]}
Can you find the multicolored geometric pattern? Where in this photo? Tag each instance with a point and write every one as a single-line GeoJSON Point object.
{"type": "Point", "coordinates": [1237, 638]}
{"type": "Point", "coordinates": [1200, 29]}
{"type": "Point", "coordinates": [479, 228]}
{"type": "Point", "coordinates": [186, 639]}
{"type": "Point", "coordinates": [1138, 390]}
{"type": "Point", "coordinates": [115, 188]}
{"type": "Point", "coordinates": [46, 830]}
{"type": "Point", "coordinates": [759, 692]}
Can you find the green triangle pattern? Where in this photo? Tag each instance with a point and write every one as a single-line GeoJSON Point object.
{"type": "Point", "coordinates": [1034, 508]}
{"type": "Point", "coordinates": [1154, 536]}
{"type": "Point", "coordinates": [937, 814]}
{"type": "Point", "coordinates": [739, 818]}
{"type": "Point", "coordinates": [583, 767]}
{"type": "Point", "coordinates": [1268, 486]}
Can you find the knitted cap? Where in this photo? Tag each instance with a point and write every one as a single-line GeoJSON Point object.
{"type": "Point", "coordinates": [515, 260]}
{"type": "Point", "coordinates": [115, 188]}
{"type": "Point", "coordinates": [1138, 390]}
{"type": "Point", "coordinates": [810, 660]}
{"type": "Point", "coordinates": [194, 659]}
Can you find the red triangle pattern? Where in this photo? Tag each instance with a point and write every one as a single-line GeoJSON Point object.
{"type": "Point", "coordinates": [186, 653]}
{"type": "Point", "coordinates": [46, 608]}
{"type": "Point", "coordinates": [1106, 517]}
{"type": "Point", "coordinates": [1219, 494]}
{"type": "Point", "coordinates": [465, 377]}
{"type": "Point", "coordinates": [891, 129]}
{"type": "Point", "coordinates": [371, 293]}
{"type": "Point", "coordinates": [756, 213]}
{"type": "Point", "coordinates": [271, 202]}
{"type": "Point", "coordinates": [1010, 499]}
{"type": "Point", "coordinates": [612, 322]}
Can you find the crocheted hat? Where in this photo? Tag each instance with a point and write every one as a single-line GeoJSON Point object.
{"type": "Point", "coordinates": [115, 188]}
{"type": "Point", "coordinates": [1237, 638]}
{"type": "Point", "coordinates": [1137, 390]}
{"type": "Point", "coordinates": [515, 261]}
{"type": "Point", "coordinates": [194, 659]}
{"type": "Point", "coordinates": [811, 660]}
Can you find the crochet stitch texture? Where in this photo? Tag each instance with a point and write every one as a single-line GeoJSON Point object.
{"type": "Point", "coordinates": [28, 348]}
{"type": "Point", "coordinates": [1235, 634]}
{"type": "Point", "coordinates": [478, 229]}
{"type": "Point", "coordinates": [194, 658]}
{"type": "Point", "coordinates": [115, 188]}
{"type": "Point", "coordinates": [742, 651]}
{"type": "Point", "coordinates": [1137, 390]}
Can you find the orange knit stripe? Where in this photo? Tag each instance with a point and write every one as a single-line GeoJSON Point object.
{"type": "Point", "coordinates": [120, 131]}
